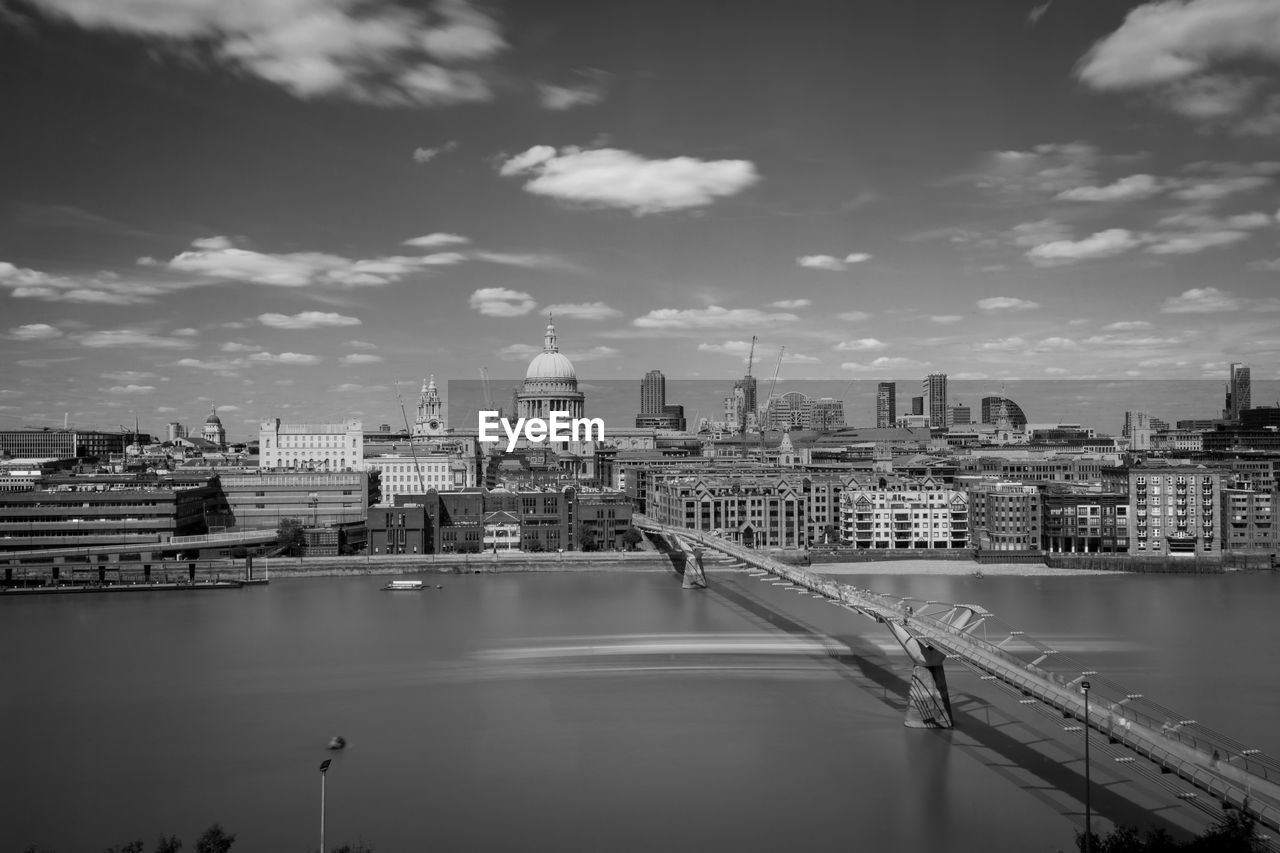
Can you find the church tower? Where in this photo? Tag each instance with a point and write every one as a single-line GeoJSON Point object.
{"type": "Point", "coordinates": [213, 429]}
{"type": "Point", "coordinates": [430, 420]}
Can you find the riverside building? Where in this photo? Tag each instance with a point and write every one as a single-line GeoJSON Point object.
{"type": "Point", "coordinates": [311, 447]}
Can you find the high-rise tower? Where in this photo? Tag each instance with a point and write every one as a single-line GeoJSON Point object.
{"type": "Point", "coordinates": [1239, 392]}
{"type": "Point", "coordinates": [653, 393]}
{"type": "Point", "coordinates": [886, 405]}
{"type": "Point", "coordinates": [934, 388]}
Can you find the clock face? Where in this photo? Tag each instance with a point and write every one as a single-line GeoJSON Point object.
{"type": "Point", "coordinates": [433, 424]}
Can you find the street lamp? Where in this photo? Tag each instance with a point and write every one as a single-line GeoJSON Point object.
{"type": "Point", "coordinates": [324, 767]}
{"type": "Point", "coordinates": [1088, 811]}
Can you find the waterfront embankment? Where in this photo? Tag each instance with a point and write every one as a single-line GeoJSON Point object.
{"type": "Point", "coordinates": [399, 564]}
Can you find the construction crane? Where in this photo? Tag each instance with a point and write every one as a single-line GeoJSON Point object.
{"type": "Point", "coordinates": [765, 408]}
{"type": "Point", "coordinates": [746, 388]}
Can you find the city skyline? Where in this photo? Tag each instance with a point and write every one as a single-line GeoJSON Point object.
{"type": "Point", "coordinates": [294, 209]}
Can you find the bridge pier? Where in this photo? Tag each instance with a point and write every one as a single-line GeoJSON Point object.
{"type": "Point", "coordinates": [928, 700]}
{"type": "Point", "coordinates": [695, 577]}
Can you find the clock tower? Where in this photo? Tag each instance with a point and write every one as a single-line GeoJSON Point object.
{"type": "Point", "coordinates": [430, 420]}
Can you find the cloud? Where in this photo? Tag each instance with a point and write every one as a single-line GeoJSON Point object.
{"type": "Point", "coordinates": [426, 155]}
{"type": "Point", "coordinates": [608, 177]}
{"type": "Point", "coordinates": [307, 320]}
{"type": "Point", "coordinates": [361, 345]}
{"type": "Point", "coordinates": [853, 316]}
{"type": "Point", "coordinates": [361, 358]}
{"type": "Point", "coordinates": [830, 262]}
{"type": "Point", "coordinates": [791, 303]}
{"type": "Point", "coordinates": [1103, 244]}
{"type": "Point", "coordinates": [502, 302]}
{"type": "Point", "coordinates": [234, 346]}
{"type": "Point", "coordinates": [436, 240]}
{"type": "Point", "coordinates": [1002, 304]}
{"type": "Point", "coordinates": [524, 352]}
{"type": "Point", "coordinates": [382, 54]}
{"type": "Point", "coordinates": [1201, 300]}
{"type": "Point", "coordinates": [103, 288]}
{"type": "Point", "coordinates": [1162, 42]}
{"type": "Point", "coordinates": [883, 364]}
{"type": "Point", "coordinates": [532, 260]}
{"type": "Point", "coordinates": [1265, 266]}
{"type": "Point", "coordinates": [1126, 189]}
{"type": "Point", "coordinates": [303, 269]}
{"type": "Point", "coordinates": [1187, 244]}
{"type": "Point", "coordinates": [860, 345]}
{"type": "Point", "coordinates": [1047, 169]}
{"type": "Point", "coordinates": [35, 332]}
{"type": "Point", "coordinates": [129, 389]}
{"type": "Point", "coordinates": [293, 358]}
{"type": "Point", "coordinates": [945, 319]}
{"type": "Point", "coordinates": [1209, 181]}
{"type": "Point", "coordinates": [588, 91]}
{"type": "Point", "coordinates": [1013, 344]}
{"type": "Point", "coordinates": [221, 365]}
{"type": "Point", "coordinates": [584, 311]}
{"type": "Point", "coordinates": [1028, 234]}
{"type": "Point", "coordinates": [1127, 326]}
{"type": "Point", "coordinates": [129, 375]}
{"type": "Point", "coordinates": [129, 338]}
{"type": "Point", "coordinates": [740, 349]}
{"type": "Point", "coordinates": [711, 317]}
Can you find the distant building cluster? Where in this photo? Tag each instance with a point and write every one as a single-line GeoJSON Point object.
{"type": "Point", "coordinates": [779, 471]}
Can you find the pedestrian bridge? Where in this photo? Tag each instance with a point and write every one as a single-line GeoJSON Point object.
{"type": "Point", "coordinates": [1224, 771]}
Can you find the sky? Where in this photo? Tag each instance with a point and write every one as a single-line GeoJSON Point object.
{"type": "Point", "coordinates": [297, 208]}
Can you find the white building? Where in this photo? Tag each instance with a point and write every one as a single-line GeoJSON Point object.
{"type": "Point", "coordinates": [905, 518]}
{"type": "Point", "coordinates": [404, 475]}
{"type": "Point", "coordinates": [311, 447]}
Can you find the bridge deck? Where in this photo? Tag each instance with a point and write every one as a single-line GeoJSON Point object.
{"type": "Point", "coordinates": [1178, 746]}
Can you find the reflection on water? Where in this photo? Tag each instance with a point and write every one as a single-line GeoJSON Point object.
{"type": "Point", "coordinates": [575, 712]}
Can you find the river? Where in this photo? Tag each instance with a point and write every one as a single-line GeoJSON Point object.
{"type": "Point", "coordinates": [588, 711]}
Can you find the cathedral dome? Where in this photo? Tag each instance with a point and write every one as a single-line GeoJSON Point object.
{"type": "Point", "coordinates": [213, 417]}
{"type": "Point", "coordinates": [551, 364]}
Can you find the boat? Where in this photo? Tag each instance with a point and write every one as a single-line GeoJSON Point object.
{"type": "Point", "coordinates": [403, 586]}
{"type": "Point", "coordinates": [978, 574]}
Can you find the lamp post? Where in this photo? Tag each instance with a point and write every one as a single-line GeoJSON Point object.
{"type": "Point", "coordinates": [324, 767]}
{"type": "Point", "coordinates": [1088, 811]}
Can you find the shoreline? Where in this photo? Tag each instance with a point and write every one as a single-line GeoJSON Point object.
{"type": "Point", "coordinates": [953, 568]}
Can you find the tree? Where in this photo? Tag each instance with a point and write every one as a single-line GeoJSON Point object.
{"type": "Point", "coordinates": [289, 535]}
{"type": "Point", "coordinates": [831, 535]}
{"type": "Point", "coordinates": [171, 844]}
{"type": "Point", "coordinates": [587, 539]}
{"type": "Point", "coordinates": [631, 538]}
{"type": "Point", "coordinates": [215, 840]}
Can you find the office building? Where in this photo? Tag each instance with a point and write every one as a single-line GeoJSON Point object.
{"type": "Point", "coordinates": [934, 387]}
{"type": "Point", "coordinates": [917, 405]}
{"type": "Point", "coordinates": [993, 408]}
{"type": "Point", "coordinates": [653, 393]}
{"type": "Point", "coordinates": [886, 405]}
{"type": "Point", "coordinates": [1174, 508]}
{"type": "Point", "coordinates": [1004, 515]}
{"type": "Point", "coordinates": [1239, 392]}
{"type": "Point", "coordinates": [315, 498]}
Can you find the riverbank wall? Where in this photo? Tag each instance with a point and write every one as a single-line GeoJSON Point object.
{"type": "Point", "coordinates": [458, 564]}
